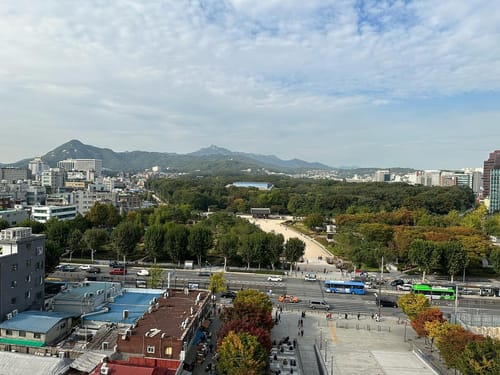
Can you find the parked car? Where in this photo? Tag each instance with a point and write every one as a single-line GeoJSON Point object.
{"type": "Point", "coordinates": [94, 270]}
{"type": "Point", "coordinates": [143, 273]}
{"type": "Point", "coordinates": [397, 282]}
{"type": "Point", "coordinates": [288, 298]}
{"type": "Point", "coordinates": [274, 278]}
{"type": "Point", "coordinates": [310, 277]}
{"type": "Point", "coordinates": [67, 268]}
{"type": "Point", "coordinates": [228, 294]}
{"type": "Point", "coordinates": [118, 271]}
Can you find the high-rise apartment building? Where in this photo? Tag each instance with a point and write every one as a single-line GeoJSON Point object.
{"type": "Point", "coordinates": [22, 270]}
{"type": "Point", "coordinates": [494, 190]}
{"type": "Point", "coordinates": [493, 162]}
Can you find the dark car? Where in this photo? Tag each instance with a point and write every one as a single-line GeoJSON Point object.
{"type": "Point", "coordinates": [228, 294]}
{"type": "Point", "coordinates": [204, 273]}
{"type": "Point", "coordinates": [397, 282]}
{"type": "Point", "coordinates": [385, 302]}
{"type": "Point", "coordinates": [94, 270]}
{"type": "Point", "coordinates": [118, 271]}
{"type": "Point", "coordinates": [67, 268]}
{"type": "Point", "coordinates": [115, 264]}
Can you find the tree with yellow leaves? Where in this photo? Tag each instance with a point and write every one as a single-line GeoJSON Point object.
{"type": "Point", "coordinates": [413, 304]}
{"type": "Point", "coordinates": [241, 354]}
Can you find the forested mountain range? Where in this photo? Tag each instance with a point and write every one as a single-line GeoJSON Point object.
{"type": "Point", "coordinates": [209, 160]}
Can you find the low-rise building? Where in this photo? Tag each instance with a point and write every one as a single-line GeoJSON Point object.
{"type": "Point", "coordinates": [36, 328]}
{"type": "Point", "coordinates": [156, 336]}
{"type": "Point", "coordinates": [14, 217]}
{"type": "Point", "coordinates": [43, 214]}
{"type": "Point", "coordinates": [86, 297]}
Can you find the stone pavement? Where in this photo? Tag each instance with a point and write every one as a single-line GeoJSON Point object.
{"type": "Point", "coordinates": [352, 346]}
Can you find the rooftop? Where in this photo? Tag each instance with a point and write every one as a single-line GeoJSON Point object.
{"type": "Point", "coordinates": [21, 364]}
{"type": "Point", "coordinates": [134, 302]}
{"type": "Point", "coordinates": [87, 289]}
{"type": "Point", "coordinates": [35, 321]}
{"type": "Point", "coordinates": [168, 315]}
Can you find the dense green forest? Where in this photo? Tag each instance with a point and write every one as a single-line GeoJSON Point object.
{"type": "Point", "coordinates": [300, 197]}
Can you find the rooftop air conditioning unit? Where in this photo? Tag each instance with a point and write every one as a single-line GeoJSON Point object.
{"type": "Point", "coordinates": [9, 316]}
{"type": "Point", "coordinates": [105, 345]}
{"type": "Point", "coordinates": [14, 312]}
{"type": "Point", "coordinates": [104, 370]}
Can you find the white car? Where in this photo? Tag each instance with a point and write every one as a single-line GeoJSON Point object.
{"type": "Point", "coordinates": [274, 278]}
{"type": "Point", "coordinates": [85, 267]}
{"type": "Point", "coordinates": [310, 277]}
{"type": "Point", "coordinates": [405, 287]}
{"type": "Point", "coordinates": [143, 273]}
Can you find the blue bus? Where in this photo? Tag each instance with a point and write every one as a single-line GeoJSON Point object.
{"type": "Point", "coordinates": [347, 287]}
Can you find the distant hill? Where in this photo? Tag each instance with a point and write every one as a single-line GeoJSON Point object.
{"type": "Point", "coordinates": [208, 160]}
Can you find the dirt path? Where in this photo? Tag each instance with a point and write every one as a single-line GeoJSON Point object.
{"type": "Point", "coordinates": [315, 253]}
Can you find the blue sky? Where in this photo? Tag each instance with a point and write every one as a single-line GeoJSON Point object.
{"type": "Point", "coordinates": [346, 83]}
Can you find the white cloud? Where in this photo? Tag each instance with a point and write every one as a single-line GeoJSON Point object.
{"type": "Point", "coordinates": [235, 70]}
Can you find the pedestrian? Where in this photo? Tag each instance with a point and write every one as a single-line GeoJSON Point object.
{"type": "Point", "coordinates": [298, 323]}
{"type": "Point", "coordinates": [279, 317]}
{"type": "Point", "coordinates": [373, 315]}
{"type": "Point", "coordinates": [276, 315]}
{"type": "Point", "coordinates": [302, 332]}
{"type": "Point", "coordinates": [281, 309]}
{"type": "Point", "coordinates": [211, 347]}
{"type": "Point", "coordinates": [359, 315]}
{"type": "Point", "coordinates": [345, 316]}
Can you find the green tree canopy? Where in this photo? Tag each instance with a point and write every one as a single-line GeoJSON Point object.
{"type": "Point", "coordinates": [199, 241]}
{"type": "Point", "coordinates": [294, 250]}
{"type": "Point", "coordinates": [125, 237]}
{"type": "Point", "coordinates": [154, 238]}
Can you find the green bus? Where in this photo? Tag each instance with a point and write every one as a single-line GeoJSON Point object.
{"type": "Point", "coordinates": [434, 292]}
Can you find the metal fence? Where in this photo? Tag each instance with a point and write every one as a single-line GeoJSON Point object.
{"type": "Point", "coordinates": [477, 319]}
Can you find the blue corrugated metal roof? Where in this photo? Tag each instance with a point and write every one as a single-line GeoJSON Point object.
{"type": "Point", "coordinates": [136, 303]}
{"type": "Point", "coordinates": [35, 321]}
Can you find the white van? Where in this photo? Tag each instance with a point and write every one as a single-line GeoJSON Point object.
{"type": "Point", "coordinates": [319, 304]}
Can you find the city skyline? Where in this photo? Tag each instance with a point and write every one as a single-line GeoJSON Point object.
{"type": "Point", "coordinates": [344, 83]}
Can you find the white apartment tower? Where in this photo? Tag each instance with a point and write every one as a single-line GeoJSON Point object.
{"type": "Point", "coordinates": [92, 167]}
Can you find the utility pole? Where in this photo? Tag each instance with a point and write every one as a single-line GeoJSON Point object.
{"type": "Point", "coordinates": [380, 287]}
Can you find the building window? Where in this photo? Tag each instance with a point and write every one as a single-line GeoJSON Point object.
{"type": "Point", "coordinates": [13, 283]}
{"type": "Point", "coordinates": [28, 246]}
{"type": "Point", "coordinates": [151, 349]}
{"type": "Point", "coordinates": [14, 267]}
{"type": "Point", "coordinates": [38, 295]}
{"type": "Point", "coordinates": [22, 333]}
{"type": "Point", "coordinates": [27, 294]}
{"type": "Point", "coordinates": [8, 332]}
{"type": "Point", "coordinates": [28, 278]}
{"type": "Point", "coordinates": [37, 335]}
{"type": "Point", "coordinates": [13, 300]}
{"type": "Point", "coordinates": [39, 250]}
{"type": "Point", "coordinates": [28, 262]}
